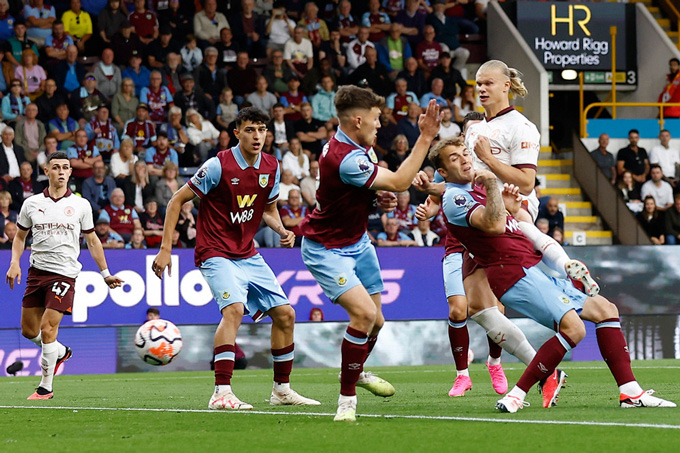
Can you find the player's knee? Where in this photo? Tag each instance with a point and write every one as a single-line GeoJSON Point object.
{"type": "Point", "coordinates": [602, 309]}
{"type": "Point", "coordinates": [284, 317]}
{"type": "Point", "coordinates": [366, 315]}
{"type": "Point", "coordinates": [457, 309]}
{"type": "Point", "coordinates": [233, 313]}
{"type": "Point", "coordinates": [572, 326]}
{"type": "Point", "coordinates": [29, 333]}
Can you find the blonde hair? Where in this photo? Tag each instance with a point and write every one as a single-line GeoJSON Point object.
{"type": "Point", "coordinates": [170, 166]}
{"type": "Point", "coordinates": [516, 85]}
{"type": "Point", "coordinates": [5, 195]}
{"type": "Point", "coordinates": [435, 153]}
{"type": "Point", "coordinates": [140, 163]}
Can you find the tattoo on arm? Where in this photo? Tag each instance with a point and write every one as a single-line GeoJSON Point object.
{"type": "Point", "coordinates": [495, 209]}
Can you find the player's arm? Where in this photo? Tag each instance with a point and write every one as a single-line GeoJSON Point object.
{"type": "Point", "coordinates": [97, 252]}
{"type": "Point", "coordinates": [272, 218]}
{"type": "Point", "coordinates": [401, 179]}
{"type": "Point", "coordinates": [422, 183]}
{"type": "Point", "coordinates": [428, 209]}
{"type": "Point", "coordinates": [490, 218]}
{"type": "Point", "coordinates": [163, 258]}
{"type": "Point", "coordinates": [18, 246]}
{"type": "Point", "coordinates": [524, 178]}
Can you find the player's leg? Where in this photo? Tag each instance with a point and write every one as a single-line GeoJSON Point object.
{"type": "Point", "coordinates": [615, 353]}
{"type": "Point", "coordinates": [30, 324]}
{"type": "Point", "coordinates": [49, 328]}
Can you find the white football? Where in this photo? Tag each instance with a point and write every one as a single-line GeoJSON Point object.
{"type": "Point", "coordinates": [158, 342]}
{"type": "Point", "coordinates": [471, 356]}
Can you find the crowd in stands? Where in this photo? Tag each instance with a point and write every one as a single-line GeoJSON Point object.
{"type": "Point", "coordinates": [139, 93]}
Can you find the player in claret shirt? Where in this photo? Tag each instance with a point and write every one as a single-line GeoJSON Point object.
{"type": "Point", "coordinates": [56, 218]}
{"type": "Point", "coordinates": [238, 188]}
{"type": "Point", "coordinates": [336, 248]}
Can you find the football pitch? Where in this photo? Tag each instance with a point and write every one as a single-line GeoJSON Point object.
{"type": "Point", "coordinates": [168, 411]}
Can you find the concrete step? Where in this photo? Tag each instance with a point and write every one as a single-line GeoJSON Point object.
{"type": "Point", "coordinates": [592, 237]}
{"type": "Point", "coordinates": [577, 208]}
{"type": "Point", "coordinates": [654, 10]}
{"type": "Point", "coordinates": [583, 223]}
{"type": "Point", "coordinates": [558, 191]}
{"type": "Point", "coordinates": [555, 166]}
{"type": "Point", "coordinates": [555, 180]}
{"type": "Point", "coordinates": [664, 23]}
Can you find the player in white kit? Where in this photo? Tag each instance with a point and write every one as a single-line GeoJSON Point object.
{"type": "Point", "coordinates": [56, 218]}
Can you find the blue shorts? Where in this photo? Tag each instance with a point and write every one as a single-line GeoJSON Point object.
{"type": "Point", "coordinates": [453, 275]}
{"type": "Point", "coordinates": [542, 298]}
{"type": "Point", "coordinates": [249, 281]}
{"type": "Point", "coordinates": [339, 270]}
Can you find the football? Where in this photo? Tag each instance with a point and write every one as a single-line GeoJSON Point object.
{"type": "Point", "coordinates": [158, 342]}
{"type": "Point", "coordinates": [471, 356]}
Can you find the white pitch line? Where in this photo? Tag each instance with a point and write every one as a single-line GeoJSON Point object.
{"type": "Point", "coordinates": [328, 414]}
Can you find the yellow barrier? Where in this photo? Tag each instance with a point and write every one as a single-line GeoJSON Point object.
{"type": "Point", "coordinates": [660, 105]}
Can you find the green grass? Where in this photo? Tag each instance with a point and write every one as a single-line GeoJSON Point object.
{"type": "Point", "coordinates": [590, 397]}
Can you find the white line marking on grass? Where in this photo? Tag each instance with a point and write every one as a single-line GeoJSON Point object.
{"type": "Point", "coordinates": [328, 414]}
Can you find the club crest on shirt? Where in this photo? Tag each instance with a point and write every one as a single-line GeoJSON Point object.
{"type": "Point", "coordinates": [226, 295]}
{"type": "Point", "coordinates": [363, 165]}
{"type": "Point", "coordinates": [263, 180]}
{"type": "Point", "coordinates": [372, 156]}
{"type": "Point", "coordinates": [565, 300]}
{"type": "Point", "coordinates": [68, 210]}
{"type": "Point", "coordinates": [341, 279]}
{"type": "Point", "coordinates": [459, 200]}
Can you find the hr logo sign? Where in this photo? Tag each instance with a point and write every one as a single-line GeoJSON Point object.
{"type": "Point", "coordinates": [554, 20]}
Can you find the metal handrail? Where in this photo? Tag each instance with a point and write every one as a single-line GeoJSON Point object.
{"type": "Point", "coordinates": [675, 11]}
{"type": "Point", "coordinates": [660, 105]}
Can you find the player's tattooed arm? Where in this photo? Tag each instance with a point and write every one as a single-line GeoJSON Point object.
{"type": "Point", "coordinates": [491, 218]}
{"type": "Point", "coordinates": [272, 218]}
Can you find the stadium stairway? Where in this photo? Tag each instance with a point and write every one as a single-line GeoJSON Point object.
{"type": "Point", "coordinates": [661, 18]}
{"type": "Point", "coordinates": [557, 180]}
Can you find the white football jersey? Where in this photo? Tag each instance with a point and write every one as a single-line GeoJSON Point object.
{"type": "Point", "coordinates": [514, 141]}
{"type": "Point", "coordinates": [56, 227]}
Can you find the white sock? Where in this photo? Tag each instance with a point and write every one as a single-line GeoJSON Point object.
{"type": "Point", "coordinates": [518, 392]}
{"type": "Point", "coordinates": [281, 387]}
{"type": "Point", "coordinates": [222, 388]}
{"type": "Point", "coordinates": [48, 361]}
{"type": "Point", "coordinates": [465, 372]}
{"type": "Point", "coordinates": [631, 388]}
{"type": "Point", "coordinates": [554, 255]}
{"type": "Point", "coordinates": [37, 340]}
{"type": "Point", "coordinates": [505, 333]}
{"type": "Point", "coordinates": [492, 361]}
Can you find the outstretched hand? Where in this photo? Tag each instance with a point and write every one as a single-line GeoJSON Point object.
{"type": "Point", "coordinates": [428, 123]}
{"type": "Point", "coordinates": [113, 281]}
{"type": "Point", "coordinates": [511, 198]}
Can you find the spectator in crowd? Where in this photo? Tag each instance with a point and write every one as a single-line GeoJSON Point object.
{"type": "Point", "coordinates": [311, 84]}
{"type": "Point", "coordinates": [334, 51]}
{"type": "Point", "coordinates": [372, 73]}
{"type": "Point", "coordinates": [78, 24]}
{"type": "Point", "coordinates": [543, 225]}
{"type": "Point", "coordinates": [652, 221]}
{"type": "Point", "coordinates": [10, 234]}
{"type": "Point", "coordinates": [293, 213]}
{"type": "Point", "coordinates": [452, 78]}
{"type": "Point", "coordinates": [202, 135]}
{"type": "Point", "coordinates": [145, 22]}
{"type": "Point", "coordinates": [356, 49]}
{"type": "Point", "coordinates": [157, 157]}
{"type": "Point", "coordinates": [39, 19]}
{"type": "Point", "coordinates": [670, 93]}
{"type": "Point", "coordinates": [283, 130]}
{"type": "Point", "coordinates": [344, 21]}
{"type": "Point", "coordinates": [293, 99]}
{"type": "Point", "coordinates": [261, 98]}
{"type": "Point", "coordinates": [311, 132]}
{"type": "Point", "coordinates": [86, 100]}
{"type": "Point", "coordinates": [228, 49]}
{"type": "Point", "coordinates": [437, 87]}
{"type": "Point", "coordinates": [6, 21]}
{"type": "Point", "coordinates": [423, 235]}
{"type": "Point", "coordinates": [47, 103]}
{"type": "Point", "coordinates": [100, 129]}
{"type": "Point", "coordinates": [176, 133]}
{"type": "Point", "coordinates": [399, 101]}
{"type": "Point", "coordinates": [98, 188]}
{"type": "Point", "coordinates": [179, 16]}
{"type": "Point", "coordinates": [658, 188]}
{"type": "Point", "coordinates": [124, 104]}
{"type": "Point", "coordinates": [672, 222]}
{"type": "Point", "coordinates": [314, 29]}
{"type": "Point", "coordinates": [323, 103]}
{"type": "Point", "coordinates": [14, 47]}
{"type": "Point", "coordinates": [82, 155]}
{"type": "Point", "coordinates": [551, 212]}
{"type": "Point", "coordinates": [157, 97]}
{"type": "Point", "coordinates": [605, 159]}
{"type": "Point", "coordinates": [414, 76]}
{"type": "Point", "coordinates": [558, 236]}
{"type": "Point", "coordinates": [192, 55]}
{"type": "Point", "coordinates": [137, 72]}
{"type": "Point", "coordinates": [152, 224]}
{"type": "Point", "coordinates": [375, 225]}
{"type": "Point", "coordinates": [125, 43]}
{"type": "Point", "coordinates": [316, 314]}
{"type": "Point", "coordinates": [668, 158]}
{"type": "Point", "coordinates": [241, 78]}
{"type": "Point", "coordinates": [447, 128]}
{"type": "Point", "coordinates": [279, 28]}
{"type": "Point", "coordinates": [208, 23]}
{"type": "Point", "coordinates": [296, 161]}
{"type": "Point", "coordinates": [447, 30]}
{"type": "Point", "coordinates": [140, 129]}
{"type": "Point", "coordinates": [386, 134]}
{"type": "Point", "coordinates": [186, 225]}
{"type": "Point", "coordinates": [630, 191]}
{"type": "Point", "coordinates": [107, 75]}
{"type": "Point", "coordinates": [412, 20]}
{"type": "Point", "coordinates": [6, 214]}
{"type": "Point", "coordinates": [110, 20]}
{"type": "Point", "coordinates": [277, 73]}
{"type": "Point", "coordinates": [405, 213]}
{"type": "Point", "coordinates": [14, 104]}
{"type": "Point", "coordinates": [269, 146]}
{"type": "Point", "coordinates": [392, 237]}
{"type": "Point", "coordinates": [123, 219]}
{"type": "Point", "coordinates": [24, 186]}
{"type": "Point", "coordinates": [30, 133]}
{"type": "Point", "coordinates": [172, 72]}
{"type": "Point", "coordinates": [168, 184]}
{"type": "Point", "coordinates": [398, 152]}
{"type": "Point", "coordinates": [285, 186]}
{"type": "Point", "coordinates": [250, 28]}
{"type": "Point", "coordinates": [136, 240]}
{"type": "Point", "coordinates": [63, 127]}
{"type": "Point", "coordinates": [298, 53]}
{"type": "Point", "coordinates": [161, 47]}
{"type": "Point", "coordinates": [12, 156]}
{"type": "Point", "coordinates": [123, 164]}
{"type": "Point", "coordinates": [394, 50]}
{"type": "Point", "coordinates": [193, 97]}
{"type": "Point", "coordinates": [378, 23]}
{"type": "Point", "coordinates": [633, 158]}
{"type": "Point", "coordinates": [109, 239]}
{"type": "Point", "coordinates": [56, 44]}
{"type": "Point", "coordinates": [227, 109]}
{"type": "Point", "coordinates": [31, 75]}
{"type": "Point", "coordinates": [310, 184]}
{"type": "Point", "coordinates": [139, 189]}
{"type": "Point", "coordinates": [428, 51]}
{"type": "Point", "coordinates": [409, 126]}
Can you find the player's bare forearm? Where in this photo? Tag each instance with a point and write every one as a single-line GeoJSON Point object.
{"type": "Point", "coordinates": [180, 197]}
{"type": "Point", "coordinates": [491, 218]}
{"type": "Point", "coordinates": [94, 245]}
{"type": "Point", "coordinates": [14, 271]}
{"type": "Point", "coordinates": [273, 220]}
